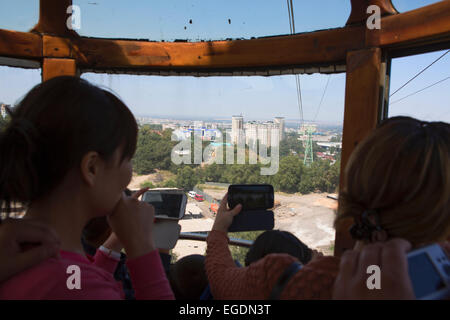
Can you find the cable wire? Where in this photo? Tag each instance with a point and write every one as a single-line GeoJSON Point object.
{"type": "Point", "coordinates": [419, 73]}
{"type": "Point", "coordinates": [321, 100]}
{"type": "Point", "coordinates": [297, 78]}
{"type": "Point", "coordinates": [299, 98]}
{"type": "Point", "coordinates": [292, 15]}
{"type": "Point", "coordinates": [391, 103]}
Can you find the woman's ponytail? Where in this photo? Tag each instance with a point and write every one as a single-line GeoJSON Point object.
{"type": "Point", "coordinates": [18, 177]}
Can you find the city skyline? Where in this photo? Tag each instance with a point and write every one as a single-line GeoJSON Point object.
{"type": "Point", "coordinates": [289, 123]}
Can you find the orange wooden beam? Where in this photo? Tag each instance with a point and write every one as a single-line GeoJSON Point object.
{"type": "Point", "coordinates": [320, 47]}
{"type": "Point", "coordinates": [413, 28]}
{"type": "Point", "coordinates": [53, 67]}
{"type": "Point", "coordinates": [20, 44]}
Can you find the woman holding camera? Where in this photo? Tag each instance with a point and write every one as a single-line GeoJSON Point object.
{"type": "Point", "coordinates": [66, 155]}
{"type": "Point", "coordinates": [397, 185]}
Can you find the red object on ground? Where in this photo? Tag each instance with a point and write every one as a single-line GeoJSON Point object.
{"type": "Point", "coordinates": [214, 207]}
{"type": "Point", "coordinates": [199, 197]}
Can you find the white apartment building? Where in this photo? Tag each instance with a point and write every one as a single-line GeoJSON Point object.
{"type": "Point", "coordinates": [281, 126]}
{"type": "Point", "coordinates": [3, 109]}
{"type": "Point", "coordinates": [237, 129]}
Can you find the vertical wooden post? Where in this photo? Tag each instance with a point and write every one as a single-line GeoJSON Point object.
{"type": "Point", "coordinates": [53, 17]}
{"type": "Point", "coordinates": [53, 20]}
{"type": "Point", "coordinates": [53, 67]}
{"type": "Point", "coordinates": [365, 88]}
{"type": "Point", "coordinates": [359, 10]}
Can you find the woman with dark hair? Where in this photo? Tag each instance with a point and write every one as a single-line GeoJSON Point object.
{"type": "Point", "coordinates": [397, 186]}
{"type": "Point", "coordinates": [66, 156]}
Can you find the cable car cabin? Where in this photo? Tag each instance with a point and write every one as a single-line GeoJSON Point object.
{"type": "Point", "coordinates": [316, 95]}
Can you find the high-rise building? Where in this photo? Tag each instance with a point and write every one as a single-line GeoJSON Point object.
{"type": "Point", "coordinates": [281, 126]}
{"type": "Point", "coordinates": [251, 132]}
{"type": "Point", "coordinates": [265, 132]}
{"type": "Point", "coordinates": [237, 128]}
{"type": "Point", "coordinates": [3, 109]}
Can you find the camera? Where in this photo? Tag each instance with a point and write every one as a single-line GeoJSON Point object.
{"type": "Point", "coordinates": [251, 196]}
{"type": "Point", "coordinates": [170, 206]}
{"type": "Point", "coordinates": [429, 271]}
{"type": "Point", "coordinates": [169, 203]}
{"type": "Point", "coordinates": [255, 200]}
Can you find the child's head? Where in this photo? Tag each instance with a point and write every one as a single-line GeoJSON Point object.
{"type": "Point", "coordinates": [188, 277]}
{"type": "Point", "coordinates": [400, 172]}
{"type": "Point", "coordinates": [277, 241]}
{"type": "Point", "coordinates": [66, 128]}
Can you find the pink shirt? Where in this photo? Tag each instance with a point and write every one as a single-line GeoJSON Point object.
{"type": "Point", "coordinates": [48, 280]}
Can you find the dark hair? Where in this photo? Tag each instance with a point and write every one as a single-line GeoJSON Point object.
{"type": "Point", "coordinates": [128, 192]}
{"type": "Point", "coordinates": [52, 128]}
{"type": "Point", "coordinates": [188, 277]}
{"type": "Point", "coordinates": [276, 241]}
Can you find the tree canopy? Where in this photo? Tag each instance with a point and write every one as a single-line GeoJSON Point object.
{"type": "Point", "coordinates": [154, 151]}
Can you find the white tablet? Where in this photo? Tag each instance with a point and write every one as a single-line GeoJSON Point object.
{"type": "Point", "coordinates": [168, 203]}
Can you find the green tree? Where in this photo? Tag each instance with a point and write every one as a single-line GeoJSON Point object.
{"type": "Point", "coordinates": [4, 122]}
{"type": "Point", "coordinates": [321, 176]}
{"type": "Point", "coordinates": [157, 127]}
{"type": "Point", "coordinates": [242, 174]}
{"type": "Point", "coordinates": [213, 172]}
{"type": "Point", "coordinates": [169, 184]}
{"type": "Point", "coordinates": [147, 184]}
{"type": "Point", "coordinates": [186, 178]}
{"type": "Point", "coordinates": [289, 174]}
{"type": "Point", "coordinates": [153, 151]}
{"type": "Point", "coordinates": [291, 143]}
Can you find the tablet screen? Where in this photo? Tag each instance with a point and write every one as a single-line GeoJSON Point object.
{"type": "Point", "coordinates": [165, 204]}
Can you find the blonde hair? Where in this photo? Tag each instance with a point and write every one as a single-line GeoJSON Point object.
{"type": "Point", "coordinates": [402, 171]}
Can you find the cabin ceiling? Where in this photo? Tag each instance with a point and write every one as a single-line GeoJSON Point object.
{"type": "Point", "coordinates": [322, 51]}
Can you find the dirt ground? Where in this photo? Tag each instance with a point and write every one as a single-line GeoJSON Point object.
{"type": "Point", "coordinates": [310, 217]}
{"type": "Point", "coordinates": [155, 178]}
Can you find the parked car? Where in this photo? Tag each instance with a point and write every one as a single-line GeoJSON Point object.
{"type": "Point", "coordinates": [199, 197]}
{"type": "Point", "coordinates": [192, 194]}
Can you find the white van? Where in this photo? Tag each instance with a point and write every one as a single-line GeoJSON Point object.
{"type": "Point", "coordinates": [192, 194]}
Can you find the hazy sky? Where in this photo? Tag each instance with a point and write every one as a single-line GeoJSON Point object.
{"type": "Point", "coordinates": [221, 97]}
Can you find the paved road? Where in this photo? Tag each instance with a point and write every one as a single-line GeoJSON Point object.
{"type": "Point", "coordinates": [197, 207]}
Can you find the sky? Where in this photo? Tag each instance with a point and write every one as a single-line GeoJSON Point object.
{"type": "Point", "coordinates": [255, 97]}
